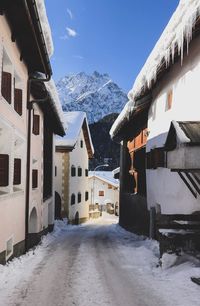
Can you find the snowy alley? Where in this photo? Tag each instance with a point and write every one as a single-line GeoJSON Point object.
{"type": "Point", "coordinates": [97, 263]}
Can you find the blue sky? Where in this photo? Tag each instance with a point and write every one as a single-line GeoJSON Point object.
{"type": "Point", "coordinates": [110, 36]}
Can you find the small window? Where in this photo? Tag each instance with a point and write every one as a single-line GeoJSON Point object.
{"type": "Point", "coordinates": [109, 186]}
{"type": "Point", "coordinates": [155, 158]}
{"type": "Point", "coordinates": [73, 171]}
{"type": "Point", "coordinates": [169, 99]}
{"type": "Point", "coordinates": [81, 143]}
{"type": "Point", "coordinates": [86, 195]}
{"type": "Point", "coordinates": [18, 101]}
{"type": "Point", "coordinates": [79, 171]}
{"type": "Point", "coordinates": [36, 124]}
{"type": "Point", "coordinates": [86, 172]}
{"type": "Point", "coordinates": [79, 197]}
{"type": "Point", "coordinates": [4, 170]}
{"type": "Point", "coordinates": [17, 171]}
{"type": "Point", "coordinates": [101, 193]}
{"type": "Point", "coordinates": [73, 199]}
{"type": "Point", "coordinates": [55, 171]}
{"type": "Point", "coordinates": [34, 178]}
{"type": "Point", "coordinates": [6, 86]}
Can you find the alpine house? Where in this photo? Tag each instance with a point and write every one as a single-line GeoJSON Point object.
{"type": "Point", "coordinates": [29, 118]}
{"type": "Point", "coordinates": [159, 129]}
{"type": "Point", "coordinates": [73, 152]}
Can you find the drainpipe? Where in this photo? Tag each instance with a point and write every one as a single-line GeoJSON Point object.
{"type": "Point", "coordinates": [28, 174]}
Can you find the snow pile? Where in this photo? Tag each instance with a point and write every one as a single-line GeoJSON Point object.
{"type": "Point", "coordinates": [178, 30]}
{"type": "Point", "coordinates": [45, 26]}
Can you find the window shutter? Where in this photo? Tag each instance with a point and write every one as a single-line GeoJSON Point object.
{"type": "Point", "coordinates": [17, 171]}
{"type": "Point", "coordinates": [34, 178]}
{"type": "Point", "coordinates": [159, 157]}
{"type": "Point", "coordinates": [73, 171]}
{"type": "Point", "coordinates": [18, 101]}
{"type": "Point", "coordinates": [4, 170]}
{"type": "Point", "coordinates": [79, 171]}
{"type": "Point", "coordinates": [36, 124]}
{"type": "Point", "coordinates": [6, 86]}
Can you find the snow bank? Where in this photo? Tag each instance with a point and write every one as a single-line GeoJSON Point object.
{"type": "Point", "coordinates": [45, 26]}
{"type": "Point", "coordinates": [178, 30]}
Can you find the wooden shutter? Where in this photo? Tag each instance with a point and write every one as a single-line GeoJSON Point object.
{"type": "Point", "coordinates": [34, 178]}
{"type": "Point", "coordinates": [4, 170]}
{"type": "Point", "coordinates": [18, 101]}
{"type": "Point", "coordinates": [159, 157]}
{"type": "Point", "coordinates": [101, 193]}
{"type": "Point", "coordinates": [6, 86]}
{"type": "Point", "coordinates": [36, 124]}
{"type": "Point", "coordinates": [169, 99]}
{"type": "Point", "coordinates": [17, 171]}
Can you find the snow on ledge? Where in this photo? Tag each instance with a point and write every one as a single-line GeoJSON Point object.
{"type": "Point", "coordinates": [178, 30]}
{"type": "Point", "coordinates": [45, 26]}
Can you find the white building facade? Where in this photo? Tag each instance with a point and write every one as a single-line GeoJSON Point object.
{"type": "Point", "coordinates": [72, 157]}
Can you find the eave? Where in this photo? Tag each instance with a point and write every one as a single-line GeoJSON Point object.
{"type": "Point", "coordinates": [26, 31]}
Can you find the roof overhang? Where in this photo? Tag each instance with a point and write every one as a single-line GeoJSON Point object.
{"type": "Point", "coordinates": [26, 30]}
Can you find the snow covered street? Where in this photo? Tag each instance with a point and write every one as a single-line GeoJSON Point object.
{"type": "Point", "coordinates": [97, 263]}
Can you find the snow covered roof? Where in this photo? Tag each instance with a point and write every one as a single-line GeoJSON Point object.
{"type": "Point", "coordinates": [178, 32]}
{"type": "Point", "coordinates": [183, 133]}
{"type": "Point", "coordinates": [45, 26]}
{"type": "Point", "coordinates": [106, 176]}
{"type": "Point", "coordinates": [74, 122]}
{"type": "Point", "coordinates": [51, 88]}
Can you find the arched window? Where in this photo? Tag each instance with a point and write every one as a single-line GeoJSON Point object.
{"type": "Point", "coordinates": [79, 171]}
{"type": "Point", "coordinates": [86, 195]}
{"type": "Point", "coordinates": [73, 199]}
{"type": "Point", "coordinates": [73, 171]}
{"type": "Point", "coordinates": [79, 197]}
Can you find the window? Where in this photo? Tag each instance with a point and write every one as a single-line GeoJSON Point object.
{"type": "Point", "coordinates": [34, 178]}
{"type": "Point", "coordinates": [18, 101]}
{"type": "Point", "coordinates": [79, 171]}
{"type": "Point", "coordinates": [6, 86]}
{"type": "Point", "coordinates": [81, 143]}
{"type": "Point", "coordinates": [86, 172]}
{"type": "Point", "coordinates": [109, 186]}
{"type": "Point", "coordinates": [86, 195]}
{"type": "Point", "coordinates": [55, 171]}
{"type": "Point", "coordinates": [155, 158]}
{"type": "Point", "coordinates": [36, 124]}
{"type": "Point", "coordinates": [101, 193]}
{"type": "Point", "coordinates": [73, 199]}
{"type": "Point", "coordinates": [79, 197]}
{"type": "Point", "coordinates": [169, 99]}
{"type": "Point", "coordinates": [4, 170]}
{"type": "Point", "coordinates": [73, 171]}
{"type": "Point", "coordinates": [17, 171]}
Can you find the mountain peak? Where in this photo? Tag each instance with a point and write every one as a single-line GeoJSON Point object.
{"type": "Point", "coordinates": [95, 94]}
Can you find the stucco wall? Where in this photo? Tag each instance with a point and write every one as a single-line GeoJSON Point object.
{"type": "Point", "coordinates": [13, 133]}
{"type": "Point", "coordinates": [164, 187]}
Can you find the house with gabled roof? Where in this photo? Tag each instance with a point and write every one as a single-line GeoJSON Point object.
{"type": "Point", "coordinates": [73, 152]}
{"type": "Point", "coordinates": [104, 192]}
{"type": "Point", "coordinates": [29, 118]}
{"type": "Point", "coordinates": [163, 104]}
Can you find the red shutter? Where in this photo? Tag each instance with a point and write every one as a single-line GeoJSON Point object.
{"type": "Point", "coordinates": [36, 124]}
{"type": "Point", "coordinates": [6, 86]}
{"type": "Point", "coordinates": [4, 170]}
{"type": "Point", "coordinates": [17, 171]}
{"type": "Point", "coordinates": [18, 101]}
{"type": "Point", "coordinates": [34, 178]}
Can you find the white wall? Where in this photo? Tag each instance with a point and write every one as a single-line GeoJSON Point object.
{"type": "Point", "coordinates": [164, 187]}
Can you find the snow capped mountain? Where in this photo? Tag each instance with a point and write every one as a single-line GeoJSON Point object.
{"type": "Point", "coordinates": [95, 94]}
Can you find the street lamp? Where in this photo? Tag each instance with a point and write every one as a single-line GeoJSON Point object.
{"type": "Point", "coordinates": [100, 166]}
